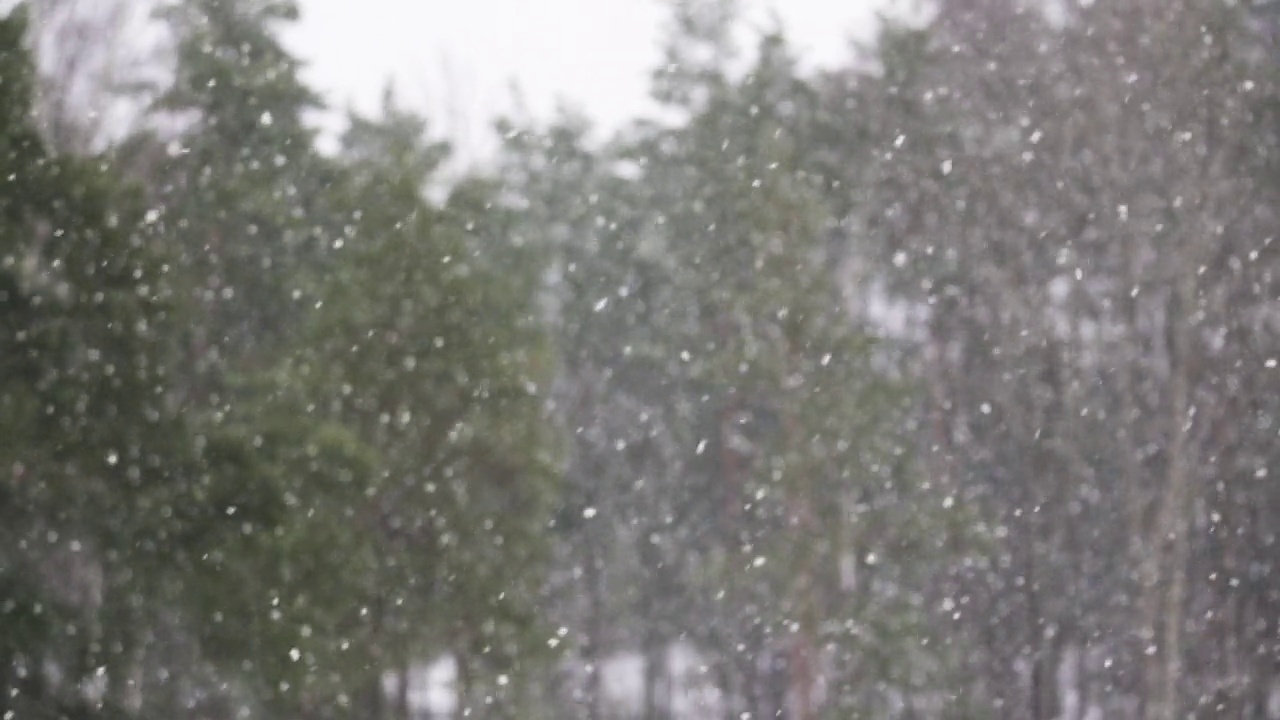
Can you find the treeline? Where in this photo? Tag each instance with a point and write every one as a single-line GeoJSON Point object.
{"type": "Point", "coordinates": [939, 385]}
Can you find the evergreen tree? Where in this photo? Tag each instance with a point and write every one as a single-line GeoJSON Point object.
{"type": "Point", "coordinates": [798, 438]}
{"type": "Point", "coordinates": [439, 366]}
{"type": "Point", "coordinates": [241, 186]}
{"type": "Point", "coordinates": [93, 452]}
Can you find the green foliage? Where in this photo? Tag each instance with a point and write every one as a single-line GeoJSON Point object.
{"type": "Point", "coordinates": [278, 426]}
{"type": "Point", "coordinates": [91, 450]}
{"type": "Point", "coordinates": [802, 423]}
{"type": "Point", "coordinates": [197, 511]}
{"type": "Point", "coordinates": [437, 363]}
{"type": "Point", "coordinates": [738, 477]}
{"type": "Point", "coordinates": [242, 182]}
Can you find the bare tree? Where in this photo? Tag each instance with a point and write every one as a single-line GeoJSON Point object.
{"type": "Point", "coordinates": [95, 58]}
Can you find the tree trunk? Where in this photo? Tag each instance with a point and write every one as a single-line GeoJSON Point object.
{"type": "Point", "coordinates": [462, 684]}
{"type": "Point", "coordinates": [655, 669]}
{"type": "Point", "coordinates": [801, 685]}
{"type": "Point", "coordinates": [375, 697]}
{"type": "Point", "coordinates": [728, 696]}
{"type": "Point", "coordinates": [374, 700]}
{"type": "Point", "coordinates": [1164, 575]}
{"type": "Point", "coordinates": [595, 626]}
{"type": "Point", "coordinates": [403, 711]}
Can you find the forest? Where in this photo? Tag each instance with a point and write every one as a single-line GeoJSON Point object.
{"type": "Point", "coordinates": [938, 384]}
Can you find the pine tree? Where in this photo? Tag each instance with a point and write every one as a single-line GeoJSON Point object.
{"type": "Point", "coordinates": [242, 181]}
{"type": "Point", "coordinates": [92, 451]}
{"type": "Point", "coordinates": [423, 352]}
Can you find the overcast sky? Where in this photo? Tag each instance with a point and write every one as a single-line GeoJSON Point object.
{"type": "Point", "coordinates": [459, 58]}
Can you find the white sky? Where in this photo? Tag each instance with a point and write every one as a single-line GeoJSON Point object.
{"type": "Point", "coordinates": [457, 59]}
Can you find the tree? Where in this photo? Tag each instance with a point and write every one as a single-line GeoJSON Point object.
{"type": "Point", "coordinates": [1051, 198]}
{"type": "Point", "coordinates": [439, 366]}
{"type": "Point", "coordinates": [92, 448]}
{"type": "Point", "coordinates": [719, 387]}
{"type": "Point", "coordinates": [241, 181]}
